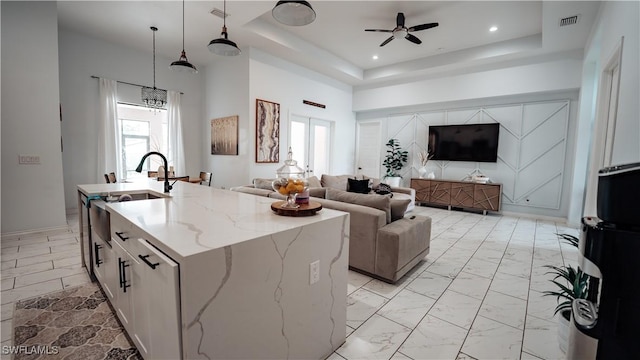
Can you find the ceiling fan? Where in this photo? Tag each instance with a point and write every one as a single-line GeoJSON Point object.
{"type": "Point", "coordinates": [402, 31]}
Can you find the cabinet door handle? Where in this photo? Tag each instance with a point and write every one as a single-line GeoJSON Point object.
{"type": "Point", "coordinates": [144, 258]}
{"type": "Point", "coordinates": [123, 238]}
{"type": "Point", "coordinates": [123, 279]}
{"type": "Point", "coordinates": [120, 271]}
{"type": "Point", "coordinates": [96, 251]}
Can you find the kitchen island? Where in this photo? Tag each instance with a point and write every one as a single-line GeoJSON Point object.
{"type": "Point", "coordinates": [206, 273]}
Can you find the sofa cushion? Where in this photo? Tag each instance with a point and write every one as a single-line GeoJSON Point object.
{"type": "Point", "coordinates": [314, 182]}
{"type": "Point", "coordinates": [318, 192]}
{"type": "Point", "coordinates": [374, 181]}
{"type": "Point", "coordinates": [335, 181]}
{"type": "Point", "coordinates": [265, 184]}
{"type": "Point", "coordinates": [398, 208]}
{"type": "Point", "coordinates": [358, 186]}
{"type": "Point", "coordinates": [371, 200]}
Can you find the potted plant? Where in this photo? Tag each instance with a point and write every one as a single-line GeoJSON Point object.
{"type": "Point", "coordinates": [394, 161]}
{"type": "Point", "coordinates": [574, 287]}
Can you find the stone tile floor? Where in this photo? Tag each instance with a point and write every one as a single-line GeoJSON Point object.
{"type": "Point", "coordinates": [478, 294]}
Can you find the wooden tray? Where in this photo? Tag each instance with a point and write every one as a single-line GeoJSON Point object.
{"type": "Point", "coordinates": [304, 210]}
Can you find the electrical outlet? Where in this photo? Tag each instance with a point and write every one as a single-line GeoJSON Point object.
{"type": "Point", "coordinates": [314, 272]}
{"type": "Point", "coordinates": [29, 159]}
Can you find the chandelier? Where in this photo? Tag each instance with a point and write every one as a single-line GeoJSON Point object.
{"type": "Point", "coordinates": [154, 98]}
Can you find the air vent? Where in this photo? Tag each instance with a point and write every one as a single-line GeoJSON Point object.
{"type": "Point", "coordinates": [571, 20]}
{"type": "Point", "coordinates": [219, 13]}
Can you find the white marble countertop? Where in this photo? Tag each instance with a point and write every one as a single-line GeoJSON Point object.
{"type": "Point", "coordinates": [194, 219]}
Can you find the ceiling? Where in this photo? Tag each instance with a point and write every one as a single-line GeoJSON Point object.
{"type": "Point", "coordinates": [335, 44]}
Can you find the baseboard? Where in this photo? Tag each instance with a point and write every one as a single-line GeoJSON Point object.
{"type": "Point", "coordinates": [535, 216]}
{"type": "Point", "coordinates": [23, 232]}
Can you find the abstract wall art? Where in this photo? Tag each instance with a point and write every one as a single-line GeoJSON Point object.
{"type": "Point", "coordinates": [267, 132]}
{"type": "Point", "coordinates": [224, 136]}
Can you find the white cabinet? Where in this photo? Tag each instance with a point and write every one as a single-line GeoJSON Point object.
{"type": "Point", "coordinates": [104, 266]}
{"type": "Point", "coordinates": [123, 303]}
{"type": "Point", "coordinates": [160, 299]}
{"type": "Point", "coordinates": [147, 299]}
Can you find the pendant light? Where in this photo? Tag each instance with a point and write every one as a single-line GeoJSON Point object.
{"type": "Point", "coordinates": [224, 46]}
{"type": "Point", "coordinates": [182, 64]}
{"type": "Point", "coordinates": [154, 98]}
{"type": "Point", "coordinates": [294, 13]}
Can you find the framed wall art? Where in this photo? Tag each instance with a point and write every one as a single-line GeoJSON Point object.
{"type": "Point", "coordinates": [224, 135]}
{"type": "Point", "coordinates": [267, 132]}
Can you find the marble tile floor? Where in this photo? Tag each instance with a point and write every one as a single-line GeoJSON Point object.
{"type": "Point", "coordinates": [477, 295]}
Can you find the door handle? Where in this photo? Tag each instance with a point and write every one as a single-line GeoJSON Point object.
{"type": "Point", "coordinates": [120, 271]}
{"type": "Point", "coordinates": [144, 258]}
{"type": "Point", "coordinates": [122, 237]}
{"type": "Point", "coordinates": [123, 277]}
{"type": "Point", "coordinates": [96, 251]}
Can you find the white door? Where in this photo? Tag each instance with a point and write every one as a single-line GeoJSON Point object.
{"type": "Point", "coordinates": [310, 141]}
{"type": "Point", "coordinates": [368, 153]}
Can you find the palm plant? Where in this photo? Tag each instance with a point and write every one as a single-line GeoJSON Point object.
{"type": "Point", "coordinates": [395, 159]}
{"type": "Point", "coordinates": [576, 283]}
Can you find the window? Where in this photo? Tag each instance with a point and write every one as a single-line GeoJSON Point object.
{"type": "Point", "coordinates": [143, 130]}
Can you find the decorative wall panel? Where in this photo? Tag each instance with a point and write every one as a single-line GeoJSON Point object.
{"type": "Point", "coordinates": [531, 149]}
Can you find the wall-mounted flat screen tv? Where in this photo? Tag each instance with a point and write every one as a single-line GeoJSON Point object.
{"type": "Point", "coordinates": [473, 142]}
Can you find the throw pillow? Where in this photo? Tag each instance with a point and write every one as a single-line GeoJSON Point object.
{"type": "Point", "coordinates": [266, 184]}
{"type": "Point", "coordinates": [371, 200]}
{"type": "Point", "coordinates": [314, 182]}
{"type": "Point", "coordinates": [383, 189]}
{"type": "Point", "coordinates": [374, 182]}
{"type": "Point", "coordinates": [398, 208]}
{"type": "Point", "coordinates": [334, 181]}
{"type": "Point", "coordinates": [358, 186]}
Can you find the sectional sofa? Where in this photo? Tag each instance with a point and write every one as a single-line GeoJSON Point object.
{"type": "Point", "coordinates": [384, 241]}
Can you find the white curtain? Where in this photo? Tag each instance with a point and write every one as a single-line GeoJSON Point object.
{"type": "Point", "coordinates": [175, 143]}
{"type": "Point", "coordinates": [110, 136]}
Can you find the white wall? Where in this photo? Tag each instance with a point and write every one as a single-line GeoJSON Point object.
{"type": "Point", "coordinates": [234, 84]}
{"type": "Point", "coordinates": [81, 57]}
{"type": "Point", "coordinates": [535, 153]}
{"type": "Point", "coordinates": [552, 76]}
{"type": "Point", "coordinates": [616, 19]}
{"type": "Point", "coordinates": [529, 83]}
{"type": "Point", "coordinates": [623, 19]}
{"type": "Point", "coordinates": [32, 195]}
{"type": "Point", "coordinates": [276, 80]}
{"type": "Point", "coordinates": [227, 94]}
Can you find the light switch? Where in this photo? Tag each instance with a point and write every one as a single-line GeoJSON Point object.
{"type": "Point", "coordinates": [29, 159]}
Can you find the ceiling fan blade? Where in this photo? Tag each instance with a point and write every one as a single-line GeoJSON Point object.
{"type": "Point", "coordinates": [379, 30]}
{"type": "Point", "coordinates": [422, 27]}
{"type": "Point", "coordinates": [387, 41]}
{"type": "Point", "coordinates": [413, 39]}
{"type": "Point", "coordinates": [400, 20]}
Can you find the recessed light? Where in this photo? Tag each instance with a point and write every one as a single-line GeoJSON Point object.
{"type": "Point", "coordinates": [375, 57]}
{"type": "Point", "coordinates": [493, 28]}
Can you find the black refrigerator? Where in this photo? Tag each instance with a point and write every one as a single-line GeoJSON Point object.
{"type": "Point", "coordinates": [606, 325]}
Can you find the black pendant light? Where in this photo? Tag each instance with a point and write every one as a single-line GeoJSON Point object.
{"type": "Point", "coordinates": [182, 64]}
{"type": "Point", "coordinates": [224, 46]}
{"type": "Point", "coordinates": [294, 13]}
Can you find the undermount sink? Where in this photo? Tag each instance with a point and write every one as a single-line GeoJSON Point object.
{"type": "Point", "coordinates": [99, 217]}
{"type": "Point", "coordinates": [134, 197]}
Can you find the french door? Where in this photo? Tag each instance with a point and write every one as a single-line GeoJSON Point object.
{"type": "Point", "coordinates": [310, 141]}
